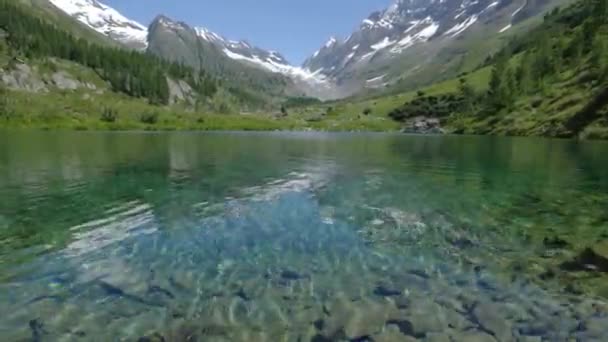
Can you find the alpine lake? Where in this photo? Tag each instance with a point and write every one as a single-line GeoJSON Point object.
{"type": "Point", "coordinates": [301, 237]}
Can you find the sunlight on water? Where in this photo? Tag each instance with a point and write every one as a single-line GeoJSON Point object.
{"type": "Point", "coordinates": [320, 242]}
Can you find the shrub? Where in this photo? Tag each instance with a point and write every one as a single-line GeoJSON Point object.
{"type": "Point", "coordinates": [109, 115]}
{"type": "Point", "coordinates": [149, 118]}
{"type": "Point", "coordinates": [367, 111]}
{"type": "Point", "coordinates": [50, 65]}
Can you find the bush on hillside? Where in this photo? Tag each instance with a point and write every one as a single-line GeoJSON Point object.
{"type": "Point", "coordinates": [150, 118]}
{"type": "Point", "coordinates": [109, 115]}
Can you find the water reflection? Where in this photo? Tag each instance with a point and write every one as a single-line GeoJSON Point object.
{"type": "Point", "coordinates": [295, 236]}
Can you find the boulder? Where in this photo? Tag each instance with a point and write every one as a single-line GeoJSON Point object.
{"type": "Point", "coordinates": [423, 125]}
{"type": "Point", "coordinates": [473, 336]}
{"type": "Point", "coordinates": [180, 91]}
{"type": "Point", "coordinates": [355, 319]}
{"type": "Point", "coordinates": [555, 242]}
{"type": "Point", "coordinates": [392, 334]}
{"type": "Point", "coordinates": [488, 316]}
{"type": "Point", "coordinates": [23, 77]}
{"type": "Point", "coordinates": [64, 81]}
{"type": "Point", "coordinates": [594, 258]}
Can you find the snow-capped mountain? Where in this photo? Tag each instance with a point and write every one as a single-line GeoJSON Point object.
{"type": "Point", "coordinates": [393, 45]}
{"type": "Point", "coordinates": [105, 20]}
{"type": "Point", "coordinates": [194, 45]}
{"type": "Point", "coordinates": [269, 60]}
{"type": "Point", "coordinates": [113, 24]}
{"type": "Point", "coordinates": [412, 25]}
{"type": "Point", "coordinates": [402, 25]}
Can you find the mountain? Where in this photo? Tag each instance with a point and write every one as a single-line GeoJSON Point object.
{"type": "Point", "coordinates": [409, 44]}
{"type": "Point", "coordinates": [106, 21]}
{"type": "Point", "coordinates": [412, 38]}
{"type": "Point", "coordinates": [550, 81]}
{"type": "Point", "coordinates": [235, 61]}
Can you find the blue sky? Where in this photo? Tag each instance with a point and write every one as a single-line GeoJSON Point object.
{"type": "Point", "coordinates": [295, 28]}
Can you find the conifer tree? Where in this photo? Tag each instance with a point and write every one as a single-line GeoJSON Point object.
{"type": "Point", "coordinates": [468, 95]}
{"type": "Point", "coordinates": [496, 87]}
{"type": "Point", "coordinates": [598, 57]}
{"type": "Point", "coordinates": [130, 72]}
{"type": "Point", "coordinates": [524, 73]}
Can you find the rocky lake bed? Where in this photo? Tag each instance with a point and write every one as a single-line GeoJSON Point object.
{"type": "Point", "coordinates": [188, 242]}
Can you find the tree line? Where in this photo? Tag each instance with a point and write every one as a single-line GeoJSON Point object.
{"type": "Point", "coordinates": [131, 72]}
{"type": "Point", "coordinates": [570, 39]}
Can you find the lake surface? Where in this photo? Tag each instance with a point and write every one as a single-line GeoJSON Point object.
{"type": "Point", "coordinates": [299, 237]}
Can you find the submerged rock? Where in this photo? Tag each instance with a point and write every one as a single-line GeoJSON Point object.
{"type": "Point", "coordinates": [555, 243]}
{"type": "Point", "coordinates": [292, 275]}
{"type": "Point", "coordinates": [38, 330]}
{"type": "Point", "coordinates": [385, 290]}
{"type": "Point", "coordinates": [488, 316]}
{"type": "Point", "coordinates": [594, 258]}
{"type": "Point", "coordinates": [156, 337]}
{"type": "Point", "coordinates": [355, 320]}
{"type": "Point", "coordinates": [391, 333]}
{"type": "Point", "coordinates": [473, 336]}
{"type": "Point", "coordinates": [438, 337]}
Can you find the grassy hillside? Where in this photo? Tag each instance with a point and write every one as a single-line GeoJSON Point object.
{"type": "Point", "coordinates": [550, 81]}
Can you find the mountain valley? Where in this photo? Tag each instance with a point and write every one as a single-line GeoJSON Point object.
{"type": "Point", "coordinates": [411, 47]}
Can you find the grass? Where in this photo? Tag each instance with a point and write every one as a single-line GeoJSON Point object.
{"type": "Point", "coordinates": [353, 109]}
{"type": "Point", "coordinates": [86, 110]}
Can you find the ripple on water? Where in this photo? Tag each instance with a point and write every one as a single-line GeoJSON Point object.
{"type": "Point", "coordinates": [275, 266]}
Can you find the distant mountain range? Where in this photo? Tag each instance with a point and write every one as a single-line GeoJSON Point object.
{"type": "Point", "coordinates": [411, 42]}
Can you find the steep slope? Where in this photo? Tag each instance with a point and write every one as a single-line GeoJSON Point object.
{"type": "Point", "coordinates": [307, 82]}
{"type": "Point", "coordinates": [550, 81]}
{"type": "Point", "coordinates": [59, 18]}
{"type": "Point", "coordinates": [178, 42]}
{"type": "Point", "coordinates": [236, 62]}
{"type": "Point", "coordinates": [414, 42]}
{"type": "Point", "coordinates": [36, 55]}
{"type": "Point", "coordinates": [106, 21]}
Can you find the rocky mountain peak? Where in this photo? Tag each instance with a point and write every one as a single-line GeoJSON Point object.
{"type": "Point", "coordinates": [388, 34]}
{"type": "Point", "coordinates": [106, 21]}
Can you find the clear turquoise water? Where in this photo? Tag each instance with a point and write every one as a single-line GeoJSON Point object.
{"type": "Point", "coordinates": [294, 236]}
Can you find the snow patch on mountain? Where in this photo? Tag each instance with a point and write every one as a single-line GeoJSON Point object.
{"type": "Point", "coordinates": [384, 43]}
{"type": "Point", "coordinates": [519, 9]}
{"type": "Point", "coordinates": [379, 78]}
{"type": "Point", "coordinates": [422, 36]}
{"type": "Point", "coordinates": [461, 27]}
{"type": "Point", "coordinates": [506, 28]}
{"type": "Point", "coordinates": [331, 42]}
{"type": "Point", "coordinates": [272, 65]}
{"type": "Point", "coordinates": [106, 21]}
{"type": "Point", "coordinates": [208, 35]}
{"type": "Point", "coordinates": [494, 4]}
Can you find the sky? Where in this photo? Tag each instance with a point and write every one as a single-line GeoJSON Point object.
{"type": "Point", "coordinates": [295, 28]}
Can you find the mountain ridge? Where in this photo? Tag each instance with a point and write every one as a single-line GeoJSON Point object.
{"type": "Point", "coordinates": [111, 23]}
{"type": "Point", "coordinates": [415, 32]}
{"type": "Point", "coordinates": [106, 20]}
{"type": "Point", "coordinates": [390, 47]}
